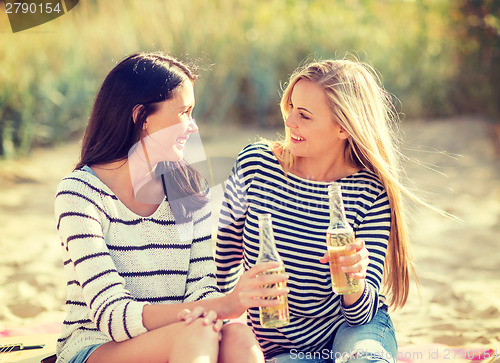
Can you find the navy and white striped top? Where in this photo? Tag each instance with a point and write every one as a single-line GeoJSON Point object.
{"type": "Point", "coordinates": [300, 214]}
{"type": "Point", "coordinates": [116, 262]}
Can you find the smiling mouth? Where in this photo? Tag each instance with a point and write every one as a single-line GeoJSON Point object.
{"type": "Point", "coordinates": [181, 141]}
{"type": "Point", "coordinates": [297, 138]}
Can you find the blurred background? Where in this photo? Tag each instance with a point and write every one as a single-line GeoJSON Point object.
{"type": "Point", "coordinates": [439, 58]}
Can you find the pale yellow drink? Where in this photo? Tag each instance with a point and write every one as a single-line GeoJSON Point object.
{"type": "Point", "coordinates": [271, 316]}
{"type": "Point", "coordinates": [337, 241]}
{"type": "Point", "coordinates": [275, 316]}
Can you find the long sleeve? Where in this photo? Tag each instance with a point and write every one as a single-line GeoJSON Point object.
{"type": "Point", "coordinates": [201, 281]}
{"type": "Point", "coordinates": [229, 249]}
{"type": "Point", "coordinates": [374, 230]}
{"type": "Point", "coordinates": [80, 225]}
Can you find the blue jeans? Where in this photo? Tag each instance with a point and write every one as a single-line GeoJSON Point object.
{"type": "Point", "coordinates": [371, 342]}
{"type": "Point", "coordinates": [84, 354]}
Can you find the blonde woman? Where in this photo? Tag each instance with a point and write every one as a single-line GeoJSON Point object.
{"type": "Point", "coordinates": [338, 122]}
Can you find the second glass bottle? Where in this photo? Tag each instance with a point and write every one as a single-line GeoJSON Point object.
{"type": "Point", "coordinates": [272, 316]}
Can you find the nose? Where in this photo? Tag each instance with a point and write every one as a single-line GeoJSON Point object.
{"type": "Point", "coordinates": [192, 127]}
{"type": "Point", "coordinates": [290, 121]}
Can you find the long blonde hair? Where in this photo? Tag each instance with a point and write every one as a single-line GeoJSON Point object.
{"type": "Point", "coordinates": [364, 109]}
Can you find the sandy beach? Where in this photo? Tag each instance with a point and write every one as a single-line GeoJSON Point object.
{"type": "Point", "coordinates": [454, 164]}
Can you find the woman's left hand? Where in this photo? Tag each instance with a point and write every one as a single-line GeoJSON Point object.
{"type": "Point", "coordinates": [355, 264]}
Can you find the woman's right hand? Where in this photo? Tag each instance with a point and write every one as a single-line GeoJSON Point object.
{"type": "Point", "coordinates": [209, 317]}
{"type": "Point", "coordinates": [250, 291]}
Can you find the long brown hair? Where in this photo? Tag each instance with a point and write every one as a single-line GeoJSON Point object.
{"type": "Point", "coordinates": [140, 79]}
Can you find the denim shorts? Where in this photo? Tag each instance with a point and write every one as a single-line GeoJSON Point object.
{"type": "Point", "coordinates": [371, 342]}
{"type": "Point", "coordinates": [84, 354]}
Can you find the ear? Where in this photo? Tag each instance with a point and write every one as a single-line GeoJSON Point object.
{"type": "Point", "coordinates": [135, 112]}
{"type": "Point", "coordinates": [343, 134]}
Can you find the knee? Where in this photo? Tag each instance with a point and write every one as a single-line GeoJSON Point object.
{"type": "Point", "coordinates": [192, 341]}
{"type": "Point", "coordinates": [238, 334]}
{"type": "Point", "coordinates": [366, 343]}
{"type": "Point", "coordinates": [189, 337]}
{"type": "Point", "coordinates": [197, 331]}
{"type": "Point", "coordinates": [363, 351]}
{"type": "Point", "coordinates": [239, 344]}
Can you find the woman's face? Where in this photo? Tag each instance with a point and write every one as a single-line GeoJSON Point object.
{"type": "Point", "coordinates": [167, 130]}
{"type": "Point", "coordinates": [313, 130]}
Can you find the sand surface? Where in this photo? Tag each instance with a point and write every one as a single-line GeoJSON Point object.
{"type": "Point", "coordinates": [456, 166]}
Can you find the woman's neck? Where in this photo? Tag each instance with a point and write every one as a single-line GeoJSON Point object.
{"type": "Point", "coordinates": [116, 176]}
{"type": "Point", "coordinates": [325, 170]}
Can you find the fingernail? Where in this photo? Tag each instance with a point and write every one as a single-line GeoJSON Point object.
{"type": "Point", "coordinates": [344, 268]}
{"type": "Point", "coordinates": [341, 259]}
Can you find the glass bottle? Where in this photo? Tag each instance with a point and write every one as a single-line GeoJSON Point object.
{"type": "Point", "coordinates": [338, 236]}
{"type": "Point", "coordinates": [271, 316]}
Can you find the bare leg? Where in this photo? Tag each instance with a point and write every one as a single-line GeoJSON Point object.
{"type": "Point", "coordinates": [239, 345]}
{"type": "Point", "coordinates": [174, 343]}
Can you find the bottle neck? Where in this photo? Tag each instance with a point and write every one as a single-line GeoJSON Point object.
{"type": "Point", "coordinates": [267, 245]}
{"type": "Point", "coordinates": [338, 218]}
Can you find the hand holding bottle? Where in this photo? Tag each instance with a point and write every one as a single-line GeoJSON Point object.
{"type": "Point", "coordinates": [250, 291]}
{"type": "Point", "coordinates": [342, 247]}
{"type": "Point", "coordinates": [356, 264]}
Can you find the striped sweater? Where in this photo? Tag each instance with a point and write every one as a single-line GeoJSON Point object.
{"type": "Point", "coordinates": [116, 262]}
{"type": "Point", "coordinates": [300, 214]}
